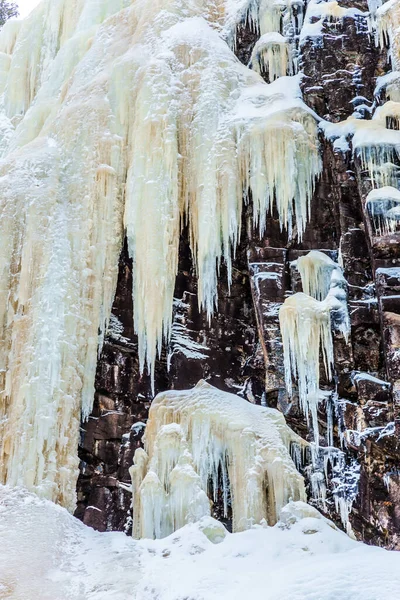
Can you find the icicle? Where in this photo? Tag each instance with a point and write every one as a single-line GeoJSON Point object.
{"type": "Point", "coordinates": [195, 437]}
{"type": "Point", "coordinates": [383, 205]}
{"type": "Point", "coordinates": [271, 56]}
{"type": "Point", "coordinates": [306, 329]}
{"type": "Point", "coordinates": [315, 269]}
{"type": "Point", "coordinates": [305, 321]}
{"type": "Point", "coordinates": [388, 21]}
{"type": "Point", "coordinates": [376, 145]}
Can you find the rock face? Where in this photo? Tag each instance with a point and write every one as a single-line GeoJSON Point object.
{"type": "Point", "coordinates": [241, 349]}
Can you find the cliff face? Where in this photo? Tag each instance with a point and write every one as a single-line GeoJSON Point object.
{"type": "Point", "coordinates": [240, 350]}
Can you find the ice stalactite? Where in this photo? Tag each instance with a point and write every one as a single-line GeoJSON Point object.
{"type": "Point", "coordinates": [375, 142]}
{"type": "Point", "coordinates": [61, 213]}
{"type": "Point", "coordinates": [267, 16]}
{"type": "Point", "coordinates": [195, 440]}
{"type": "Point", "coordinates": [388, 22]}
{"type": "Point", "coordinates": [306, 320]}
{"type": "Point", "coordinates": [306, 330]}
{"type": "Point", "coordinates": [136, 117]}
{"type": "Point", "coordinates": [315, 269]}
{"type": "Point", "coordinates": [272, 56]}
{"type": "Point", "coordinates": [383, 205]}
{"type": "Point", "coordinates": [224, 131]}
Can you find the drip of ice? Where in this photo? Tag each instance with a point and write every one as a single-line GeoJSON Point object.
{"type": "Point", "coordinates": [315, 269]}
{"type": "Point", "coordinates": [201, 439]}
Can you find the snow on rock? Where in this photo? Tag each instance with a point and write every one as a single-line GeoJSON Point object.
{"type": "Point", "coordinates": [89, 87]}
{"type": "Point", "coordinates": [319, 12]}
{"type": "Point", "coordinates": [50, 555]}
{"type": "Point", "coordinates": [205, 438]}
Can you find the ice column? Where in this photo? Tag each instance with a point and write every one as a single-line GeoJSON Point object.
{"type": "Point", "coordinates": [199, 439]}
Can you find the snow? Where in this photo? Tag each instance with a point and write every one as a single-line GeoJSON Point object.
{"type": "Point", "coordinates": [50, 555]}
{"type": "Point", "coordinates": [195, 439]}
{"type": "Point", "coordinates": [319, 12]}
{"type": "Point", "coordinates": [389, 271]}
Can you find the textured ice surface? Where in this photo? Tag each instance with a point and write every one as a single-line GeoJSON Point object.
{"type": "Point", "coordinates": [205, 439]}
{"type": "Point", "coordinates": [306, 320]}
{"type": "Point", "coordinates": [122, 116]}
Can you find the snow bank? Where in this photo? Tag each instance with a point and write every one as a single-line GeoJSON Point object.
{"type": "Point", "coordinates": [47, 554]}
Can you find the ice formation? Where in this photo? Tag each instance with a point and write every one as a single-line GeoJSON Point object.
{"type": "Point", "coordinates": [375, 142]}
{"type": "Point", "coordinates": [318, 13]}
{"type": "Point", "coordinates": [383, 205]}
{"type": "Point", "coordinates": [272, 57]}
{"type": "Point", "coordinates": [388, 21]}
{"type": "Point", "coordinates": [306, 330]}
{"type": "Point", "coordinates": [89, 88]}
{"type": "Point", "coordinates": [306, 320]}
{"type": "Point", "coordinates": [390, 84]}
{"type": "Point", "coordinates": [315, 269]}
{"type": "Point", "coordinates": [198, 440]}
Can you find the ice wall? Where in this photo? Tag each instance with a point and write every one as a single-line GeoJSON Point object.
{"type": "Point", "coordinates": [201, 439]}
{"type": "Point", "coordinates": [122, 116]}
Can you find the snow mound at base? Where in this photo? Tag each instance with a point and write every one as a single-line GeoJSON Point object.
{"type": "Point", "coordinates": [46, 554]}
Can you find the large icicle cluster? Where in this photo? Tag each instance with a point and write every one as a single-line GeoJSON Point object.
{"type": "Point", "coordinates": [198, 440]}
{"type": "Point", "coordinates": [305, 322]}
{"type": "Point", "coordinates": [121, 115]}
